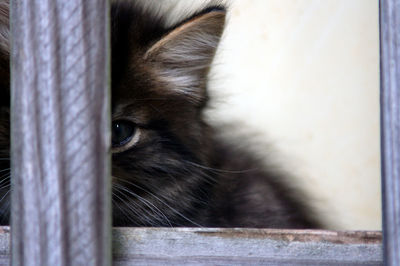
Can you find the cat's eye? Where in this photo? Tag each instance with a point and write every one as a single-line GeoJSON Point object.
{"type": "Point", "coordinates": [124, 135]}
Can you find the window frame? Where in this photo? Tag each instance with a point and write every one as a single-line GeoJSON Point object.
{"type": "Point", "coordinates": [33, 247]}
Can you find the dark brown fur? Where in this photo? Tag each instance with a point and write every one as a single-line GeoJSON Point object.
{"type": "Point", "coordinates": [178, 173]}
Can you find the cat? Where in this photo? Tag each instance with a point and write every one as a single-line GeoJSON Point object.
{"type": "Point", "coordinates": [169, 167]}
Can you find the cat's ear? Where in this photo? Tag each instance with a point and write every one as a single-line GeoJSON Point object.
{"type": "Point", "coordinates": [183, 56]}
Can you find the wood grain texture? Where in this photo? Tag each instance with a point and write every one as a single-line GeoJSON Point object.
{"type": "Point", "coordinates": [244, 246]}
{"type": "Point", "coordinates": [60, 132]}
{"type": "Point", "coordinates": [390, 125]}
{"type": "Point", "coordinates": [213, 246]}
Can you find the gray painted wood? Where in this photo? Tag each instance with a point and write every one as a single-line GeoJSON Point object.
{"type": "Point", "coordinates": [245, 246]}
{"type": "Point", "coordinates": [390, 125]}
{"type": "Point", "coordinates": [61, 196]}
{"type": "Point", "coordinates": [60, 133]}
{"type": "Point", "coordinates": [211, 246]}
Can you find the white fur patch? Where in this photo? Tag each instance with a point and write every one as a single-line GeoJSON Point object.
{"type": "Point", "coordinates": [175, 11]}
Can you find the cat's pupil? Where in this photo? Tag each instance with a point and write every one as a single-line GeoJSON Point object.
{"type": "Point", "coordinates": [122, 132]}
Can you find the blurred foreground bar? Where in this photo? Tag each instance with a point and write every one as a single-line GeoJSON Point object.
{"type": "Point", "coordinates": [60, 133]}
{"type": "Point", "coordinates": [390, 127]}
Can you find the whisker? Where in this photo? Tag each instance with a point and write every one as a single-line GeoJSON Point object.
{"type": "Point", "coordinates": [6, 174]}
{"type": "Point", "coordinates": [135, 212]}
{"type": "Point", "coordinates": [5, 179]}
{"type": "Point", "coordinates": [5, 169]}
{"type": "Point", "coordinates": [5, 195]}
{"type": "Point", "coordinates": [220, 170]}
{"type": "Point", "coordinates": [5, 209]}
{"type": "Point", "coordinates": [163, 202]}
{"type": "Point", "coordinates": [146, 202]}
{"type": "Point", "coordinates": [210, 179]}
{"type": "Point", "coordinates": [6, 186]}
{"type": "Point", "coordinates": [150, 205]}
{"type": "Point", "coordinates": [124, 211]}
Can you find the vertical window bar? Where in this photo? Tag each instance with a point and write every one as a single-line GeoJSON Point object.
{"type": "Point", "coordinates": [61, 197]}
{"type": "Point", "coordinates": [390, 125]}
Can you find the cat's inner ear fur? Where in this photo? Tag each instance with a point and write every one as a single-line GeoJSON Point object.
{"type": "Point", "coordinates": [183, 56]}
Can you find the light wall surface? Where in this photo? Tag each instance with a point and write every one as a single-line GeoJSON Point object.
{"type": "Point", "coordinates": [303, 75]}
{"type": "Point", "coordinates": [299, 79]}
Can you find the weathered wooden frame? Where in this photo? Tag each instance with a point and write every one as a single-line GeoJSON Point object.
{"type": "Point", "coordinates": [152, 245]}
{"type": "Point", "coordinates": [60, 112]}
{"type": "Point", "coordinates": [390, 127]}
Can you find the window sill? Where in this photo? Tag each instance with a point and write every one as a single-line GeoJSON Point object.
{"type": "Point", "coordinates": [236, 246]}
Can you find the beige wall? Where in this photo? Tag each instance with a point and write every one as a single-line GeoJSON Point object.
{"type": "Point", "coordinates": [304, 74]}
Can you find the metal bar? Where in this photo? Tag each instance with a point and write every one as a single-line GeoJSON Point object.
{"type": "Point", "coordinates": [61, 201]}
{"type": "Point", "coordinates": [390, 125]}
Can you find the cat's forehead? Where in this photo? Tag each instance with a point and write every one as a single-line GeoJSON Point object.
{"type": "Point", "coordinates": [134, 112]}
{"type": "Point", "coordinates": [139, 99]}
{"type": "Point", "coordinates": [133, 31]}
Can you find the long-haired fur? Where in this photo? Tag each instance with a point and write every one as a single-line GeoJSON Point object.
{"type": "Point", "coordinates": [177, 172]}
